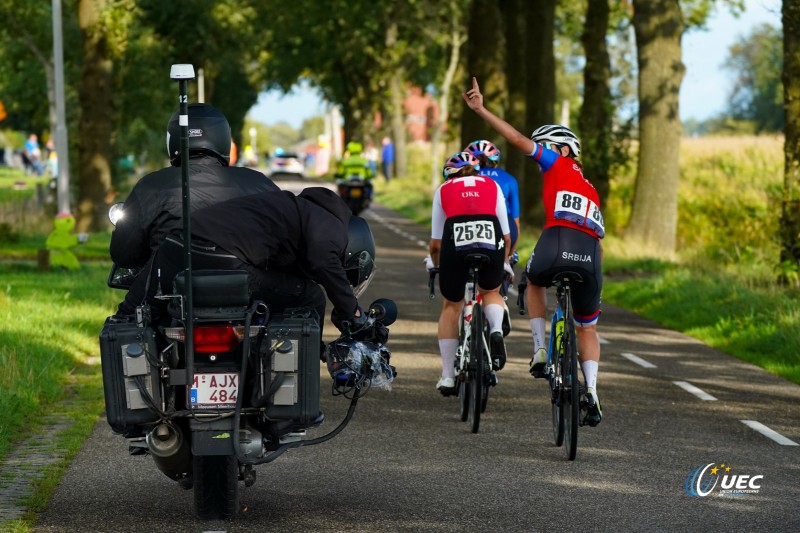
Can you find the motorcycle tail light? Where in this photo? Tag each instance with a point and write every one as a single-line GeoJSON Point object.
{"type": "Point", "coordinates": [213, 339]}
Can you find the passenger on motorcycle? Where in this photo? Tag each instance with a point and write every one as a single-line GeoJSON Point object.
{"type": "Point", "coordinates": [467, 198]}
{"type": "Point", "coordinates": [570, 240]}
{"type": "Point", "coordinates": [154, 207]}
{"type": "Point", "coordinates": [289, 244]}
{"type": "Point", "coordinates": [354, 165]}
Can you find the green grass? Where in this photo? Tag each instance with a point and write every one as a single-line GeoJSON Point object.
{"type": "Point", "coordinates": [720, 288]}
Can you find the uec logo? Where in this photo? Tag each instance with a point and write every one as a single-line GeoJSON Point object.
{"type": "Point", "coordinates": [704, 479]}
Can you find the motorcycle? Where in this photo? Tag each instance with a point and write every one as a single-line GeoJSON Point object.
{"type": "Point", "coordinates": [220, 385]}
{"type": "Point", "coordinates": [212, 393]}
{"type": "Point", "coordinates": [355, 191]}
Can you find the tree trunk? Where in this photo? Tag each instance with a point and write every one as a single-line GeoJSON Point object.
{"type": "Point", "coordinates": [512, 159]}
{"type": "Point", "coordinates": [540, 74]}
{"type": "Point", "coordinates": [484, 61]}
{"type": "Point", "coordinates": [790, 219]}
{"type": "Point", "coordinates": [97, 118]}
{"type": "Point", "coordinates": [397, 114]}
{"type": "Point", "coordinates": [437, 148]}
{"type": "Point", "coordinates": [658, 25]}
{"type": "Point", "coordinates": [596, 112]}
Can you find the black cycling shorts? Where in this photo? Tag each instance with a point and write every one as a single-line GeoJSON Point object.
{"type": "Point", "coordinates": [458, 244]}
{"type": "Point", "coordinates": [561, 249]}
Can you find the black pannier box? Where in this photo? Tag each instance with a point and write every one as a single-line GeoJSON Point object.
{"type": "Point", "coordinates": [124, 351]}
{"type": "Point", "coordinates": [296, 339]}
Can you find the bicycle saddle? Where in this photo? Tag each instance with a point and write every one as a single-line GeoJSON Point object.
{"type": "Point", "coordinates": [572, 277]}
{"type": "Point", "coordinates": [477, 259]}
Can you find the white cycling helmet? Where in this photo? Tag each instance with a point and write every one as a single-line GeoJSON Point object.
{"type": "Point", "coordinates": [558, 134]}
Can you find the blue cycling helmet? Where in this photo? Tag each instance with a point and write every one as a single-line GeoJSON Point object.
{"type": "Point", "coordinates": [457, 165]}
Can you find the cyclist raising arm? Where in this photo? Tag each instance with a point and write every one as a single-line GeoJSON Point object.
{"type": "Point", "coordinates": [469, 215]}
{"type": "Point", "coordinates": [570, 240]}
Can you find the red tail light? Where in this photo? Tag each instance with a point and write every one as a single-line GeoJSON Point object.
{"type": "Point", "coordinates": [212, 339]}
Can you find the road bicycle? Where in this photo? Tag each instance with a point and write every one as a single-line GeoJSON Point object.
{"type": "Point", "coordinates": [562, 365]}
{"type": "Point", "coordinates": [473, 363]}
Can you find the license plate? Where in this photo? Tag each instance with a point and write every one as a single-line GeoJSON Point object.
{"type": "Point", "coordinates": [215, 390]}
{"type": "Point", "coordinates": [355, 193]}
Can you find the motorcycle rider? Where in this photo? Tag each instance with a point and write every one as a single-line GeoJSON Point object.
{"type": "Point", "coordinates": [289, 244]}
{"type": "Point", "coordinates": [467, 198]}
{"type": "Point", "coordinates": [154, 209]}
{"type": "Point", "coordinates": [355, 165]}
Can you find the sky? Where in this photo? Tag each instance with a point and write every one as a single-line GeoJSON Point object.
{"type": "Point", "coordinates": [704, 91]}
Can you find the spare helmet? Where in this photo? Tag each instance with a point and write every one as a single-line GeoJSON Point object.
{"type": "Point", "coordinates": [456, 162]}
{"type": "Point", "coordinates": [483, 148]}
{"type": "Point", "coordinates": [557, 134]}
{"type": "Point", "coordinates": [209, 133]}
{"type": "Point", "coordinates": [359, 256]}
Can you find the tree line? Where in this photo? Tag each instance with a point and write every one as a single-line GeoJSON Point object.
{"type": "Point", "coordinates": [534, 59]}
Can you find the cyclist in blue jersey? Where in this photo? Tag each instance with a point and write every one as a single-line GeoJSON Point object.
{"type": "Point", "coordinates": [489, 156]}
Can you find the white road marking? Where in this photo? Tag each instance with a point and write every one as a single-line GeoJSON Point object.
{"type": "Point", "coordinates": [602, 340]}
{"type": "Point", "coordinates": [688, 387]}
{"type": "Point", "coordinates": [769, 433]}
{"type": "Point", "coordinates": [638, 360]}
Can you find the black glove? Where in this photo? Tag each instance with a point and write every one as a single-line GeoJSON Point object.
{"type": "Point", "coordinates": [352, 324]}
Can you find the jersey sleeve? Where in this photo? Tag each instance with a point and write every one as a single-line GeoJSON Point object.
{"type": "Point", "coordinates": [544, 156]}
{"type": "Point", "coordinates": [437, 216]}
{"type": "Point", "coordinates": [512, 199]}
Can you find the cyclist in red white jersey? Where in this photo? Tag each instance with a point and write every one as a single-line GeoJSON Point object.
{"type": "Point", "coordinates": [570, 240]}
{"type": "Point", "coordinates": [469, 215]}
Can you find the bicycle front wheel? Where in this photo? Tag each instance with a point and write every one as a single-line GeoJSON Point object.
{"type": "Point", "coordinates": [476, 367]}
{"type": "Point", "coordinates": [571, 389]}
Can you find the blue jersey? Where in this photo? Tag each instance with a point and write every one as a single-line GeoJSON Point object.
{"type": "Point", "coordinates": [508, 184]}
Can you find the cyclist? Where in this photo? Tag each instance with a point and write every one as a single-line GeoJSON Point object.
{"type": "Point", "coordinates": [489, 157]}
{"type": "Point", "coordinates": [463, 202]}
{"type": "Point", "coordinates": [570, 240]}
{"type": "Point", "coordinates": [354, 164]}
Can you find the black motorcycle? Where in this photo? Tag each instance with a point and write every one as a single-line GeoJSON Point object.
{"type": "Point", "coordinates": [220, 385]}
{"type": "Point", "coordinates": [356, 192]}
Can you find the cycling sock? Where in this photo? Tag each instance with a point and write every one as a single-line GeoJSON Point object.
{"type": "Point", "coordinates": [590, 373]}
{"type": "Point", "coordinates": [494, 314]}
{"type": "Point", "coordinates": [448, 347]}
{"type": "Point", "coordinates": [537, 331]}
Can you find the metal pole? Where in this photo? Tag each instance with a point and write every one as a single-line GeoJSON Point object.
{"type": "Point", "coordinates": [182, 74]}
{"type": "Point", "coordinates": [62, 140]}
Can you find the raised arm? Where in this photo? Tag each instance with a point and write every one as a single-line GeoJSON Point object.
{"type": "Point", "coordinates": [474, 100]}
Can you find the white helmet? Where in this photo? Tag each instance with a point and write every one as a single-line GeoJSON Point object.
{"type": "Point", "coordinates": [555, 133]}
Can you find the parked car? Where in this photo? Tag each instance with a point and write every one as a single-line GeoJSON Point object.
{"type": "Point", "coordinates": [286, 163]}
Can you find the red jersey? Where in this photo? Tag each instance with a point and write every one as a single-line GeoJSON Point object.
{"type": "Point", "coordinates": [570, 200]}
{"type": "Point", "coordinates": [468, 195]}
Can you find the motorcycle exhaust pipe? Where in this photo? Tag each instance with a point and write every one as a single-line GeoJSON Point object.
{"type": "Point", "coordinates": [170, 450]}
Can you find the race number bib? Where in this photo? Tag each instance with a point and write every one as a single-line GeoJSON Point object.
{"type": "Point", "coordinates": [580, 210]}
{"type": "Point", "coordinates": [477, 233]}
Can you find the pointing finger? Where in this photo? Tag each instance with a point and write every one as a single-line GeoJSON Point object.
{"type": "Point", "coordinates": [475, 84]}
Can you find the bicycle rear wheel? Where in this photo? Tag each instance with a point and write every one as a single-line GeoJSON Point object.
{"type": "Point", "coordinates": [463, 398]}
{"type": "Point", "coordinates": [571, 389]}
{"type": "Point", "coordinates": [476, 368]}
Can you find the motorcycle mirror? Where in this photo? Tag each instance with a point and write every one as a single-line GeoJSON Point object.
{"type": "Point", "coordinates": [384, 310]}
{"type": "Point", "coordinates": [115, 213]}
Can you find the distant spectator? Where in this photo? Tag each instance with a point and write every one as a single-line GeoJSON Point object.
{"type": "Point", "coordinates": [32, 155]}
{"type": "Point", "coordinates": [387, 158]}
{"type": "Point", "coordinates": [52, 158]}
{"type": "Point", "coordinates": [371, 155]}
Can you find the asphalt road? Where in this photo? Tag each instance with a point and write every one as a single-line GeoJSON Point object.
{"type": "Point", "coordinates": [407, 463]}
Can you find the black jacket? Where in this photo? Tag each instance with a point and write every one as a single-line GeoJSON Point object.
{"type": "Point", "coordinates": [154, 208]}
{"type": "Point", "coordinates": [304, 235]}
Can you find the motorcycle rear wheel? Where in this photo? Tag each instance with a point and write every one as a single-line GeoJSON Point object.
{"type": "Point", "coordinates": [216, 487]}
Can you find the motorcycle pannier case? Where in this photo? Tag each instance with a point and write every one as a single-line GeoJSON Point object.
{"type": "Point", "coordinates": [296, 357]}
{"type": "Point", "coordinates": [125, 353]}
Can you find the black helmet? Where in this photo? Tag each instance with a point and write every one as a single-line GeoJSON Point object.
{"type": "Point", "coordinates": [209, 133]}
{"type": "Point", "coordinates": [359, 256]}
